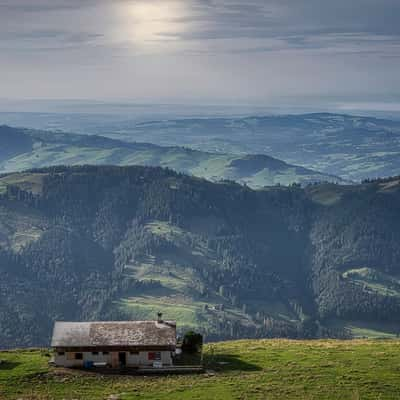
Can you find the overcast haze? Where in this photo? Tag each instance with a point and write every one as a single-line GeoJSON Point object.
{"type": "Point", "coordinates": [202, 51]}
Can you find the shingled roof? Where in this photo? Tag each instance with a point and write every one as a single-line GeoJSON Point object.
{"type": "Point", "coordinates": [109, 334]}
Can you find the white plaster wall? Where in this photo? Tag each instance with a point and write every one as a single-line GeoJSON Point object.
{"type": "Point", "coordinates": [132, 360]}
{"type": "Point", "coordinates": [166, 358]}
{"type": "Point", "coordinates": [65, 361]}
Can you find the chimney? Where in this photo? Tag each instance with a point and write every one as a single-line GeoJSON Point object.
{"type": "Point", "coordinates": [159, 318]}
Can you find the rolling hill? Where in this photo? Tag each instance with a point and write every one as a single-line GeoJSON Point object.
{"type": "Point", "coordinates": [23, 149]}
{"type": "Point", "coordinates": [97, 242]}
{"type": "Point", "coordinates": [245, 369]}
{"type": "Point", "coordinates": [352, 147]}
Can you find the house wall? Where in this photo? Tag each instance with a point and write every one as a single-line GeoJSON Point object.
{"type": "Point", "coordinates": [133, 359]}
{"type": "Point", "coordinates": [68, 359]}
{"type": "Point", "coordinates": [166, 358]}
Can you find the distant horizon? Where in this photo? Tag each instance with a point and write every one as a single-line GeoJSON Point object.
{"type": "Point", "coordinates": [207, 109]}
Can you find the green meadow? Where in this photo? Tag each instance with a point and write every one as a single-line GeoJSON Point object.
{"type": "Point", "coordinates": [245, 369]}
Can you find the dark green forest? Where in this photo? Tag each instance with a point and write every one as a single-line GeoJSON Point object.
{"type": "Point", "coordinates": [89, 243]}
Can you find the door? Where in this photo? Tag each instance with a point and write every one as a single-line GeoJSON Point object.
{"type": "Point", "coordinates": [114, 359]}
{"type": "Point", "coordinates": [122, 359]}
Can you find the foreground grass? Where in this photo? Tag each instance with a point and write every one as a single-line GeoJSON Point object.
{"type": "Point", "coordinates": [246, 369]}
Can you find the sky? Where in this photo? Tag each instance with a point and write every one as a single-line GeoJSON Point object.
{"type": "Point", "coordinates": [203, 51]}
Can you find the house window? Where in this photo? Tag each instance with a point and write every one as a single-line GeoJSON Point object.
{"type": "Point", "coordinates": [154, 356]}
{"type": "Point", "coordinates": [61, 353]}
{"type": "Point", "coordinates": [133, 353]}
{"type": "Point", "coordinates": [78, 356]}
{"type": "Point", "coordinates": [95, 353]}
{"type": "Point", "coordinates": [106, 353]}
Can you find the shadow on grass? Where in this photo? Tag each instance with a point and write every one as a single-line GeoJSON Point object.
{"type": "Point", "coordinates": [8, 365]}
{"type": "Point", "coordinates": [228, 362]}
{"type": "Point", "coordinates": [188, 359]}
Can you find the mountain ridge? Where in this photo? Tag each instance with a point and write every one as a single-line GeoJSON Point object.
{"type": "Point", "coordinates": [54, 148]}
{"type": "Point", "coordinates": [352, 147]}
{"type": "Point", "coordinates": [98, 242]}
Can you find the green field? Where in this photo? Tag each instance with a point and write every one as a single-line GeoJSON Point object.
{"type": "Point", "coordinates": [246, 369]}
{"type": "Point", "coordinates": [374, 280]}
{"type": "Point", "coordinates": [55, 148]}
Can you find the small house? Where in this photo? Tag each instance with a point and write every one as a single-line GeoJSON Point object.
{"type": "Point", "coordinates": [132, 344]}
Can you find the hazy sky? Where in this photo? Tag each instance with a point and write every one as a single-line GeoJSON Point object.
{"type": "Point", "coordinates": [202, 50]}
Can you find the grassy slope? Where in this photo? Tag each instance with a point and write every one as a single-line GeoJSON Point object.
{"type": "Point", "coordinates": [175, 296]}
{"type": "Point", "coordinates": [63, 149]}
{"type": "Point", "coordinates": [246, 369]}
{"type": "Point", "coordinates": [352, 147]}
{"type": "Point", "coordinates": [19, 225]}
{"type": "Point", "coordinates": [374, 280]}
{"type": "Point", "coordinates": [367, 329]}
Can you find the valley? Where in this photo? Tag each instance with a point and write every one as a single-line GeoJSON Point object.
{"type": "Point", "coordinates": [199, 200]}
{"type": "Point", "coordinates": [102, 242]}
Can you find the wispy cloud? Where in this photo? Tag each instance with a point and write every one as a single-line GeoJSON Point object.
{"type": "Point", "coordinates": [40, 6]}
{"type": "Point", "coordinates": [211, 48]}
{"type": "Point", "coordinates": [297, 24]}
{"type": "Point", "coordinates": [281, 24]}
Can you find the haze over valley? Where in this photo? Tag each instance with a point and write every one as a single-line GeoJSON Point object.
{"type": "Point", "coordinates": [206, 187]}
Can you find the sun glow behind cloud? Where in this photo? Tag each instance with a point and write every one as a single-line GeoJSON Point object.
{"type": "Point", "coordinates": [215, 50]}
{"type": "Point", "coordinates": [151, 25]}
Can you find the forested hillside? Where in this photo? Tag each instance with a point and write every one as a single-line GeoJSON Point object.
{"type": "Point", "coordinates": [125, 242]}
{"type": "Point", "coordinates": [22, 149]}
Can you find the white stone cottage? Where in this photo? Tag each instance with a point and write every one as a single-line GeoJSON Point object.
{"type": "Point", "coordinates": [115, 344]}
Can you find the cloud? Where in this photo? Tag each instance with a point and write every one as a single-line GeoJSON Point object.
{"type": "Point", "coordinates": [297, 24]}
{"type": "Point", "coordinates": [40, 6]}
{"type": "Point", "coordinates": [281, 24]}
{"type": "Point", "coordinates": [208, 48]}
{"type": "Point", "coordinates": [45, 25]}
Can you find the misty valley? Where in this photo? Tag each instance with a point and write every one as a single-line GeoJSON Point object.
{"type": "Point", "coordinates": [199, 200]}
